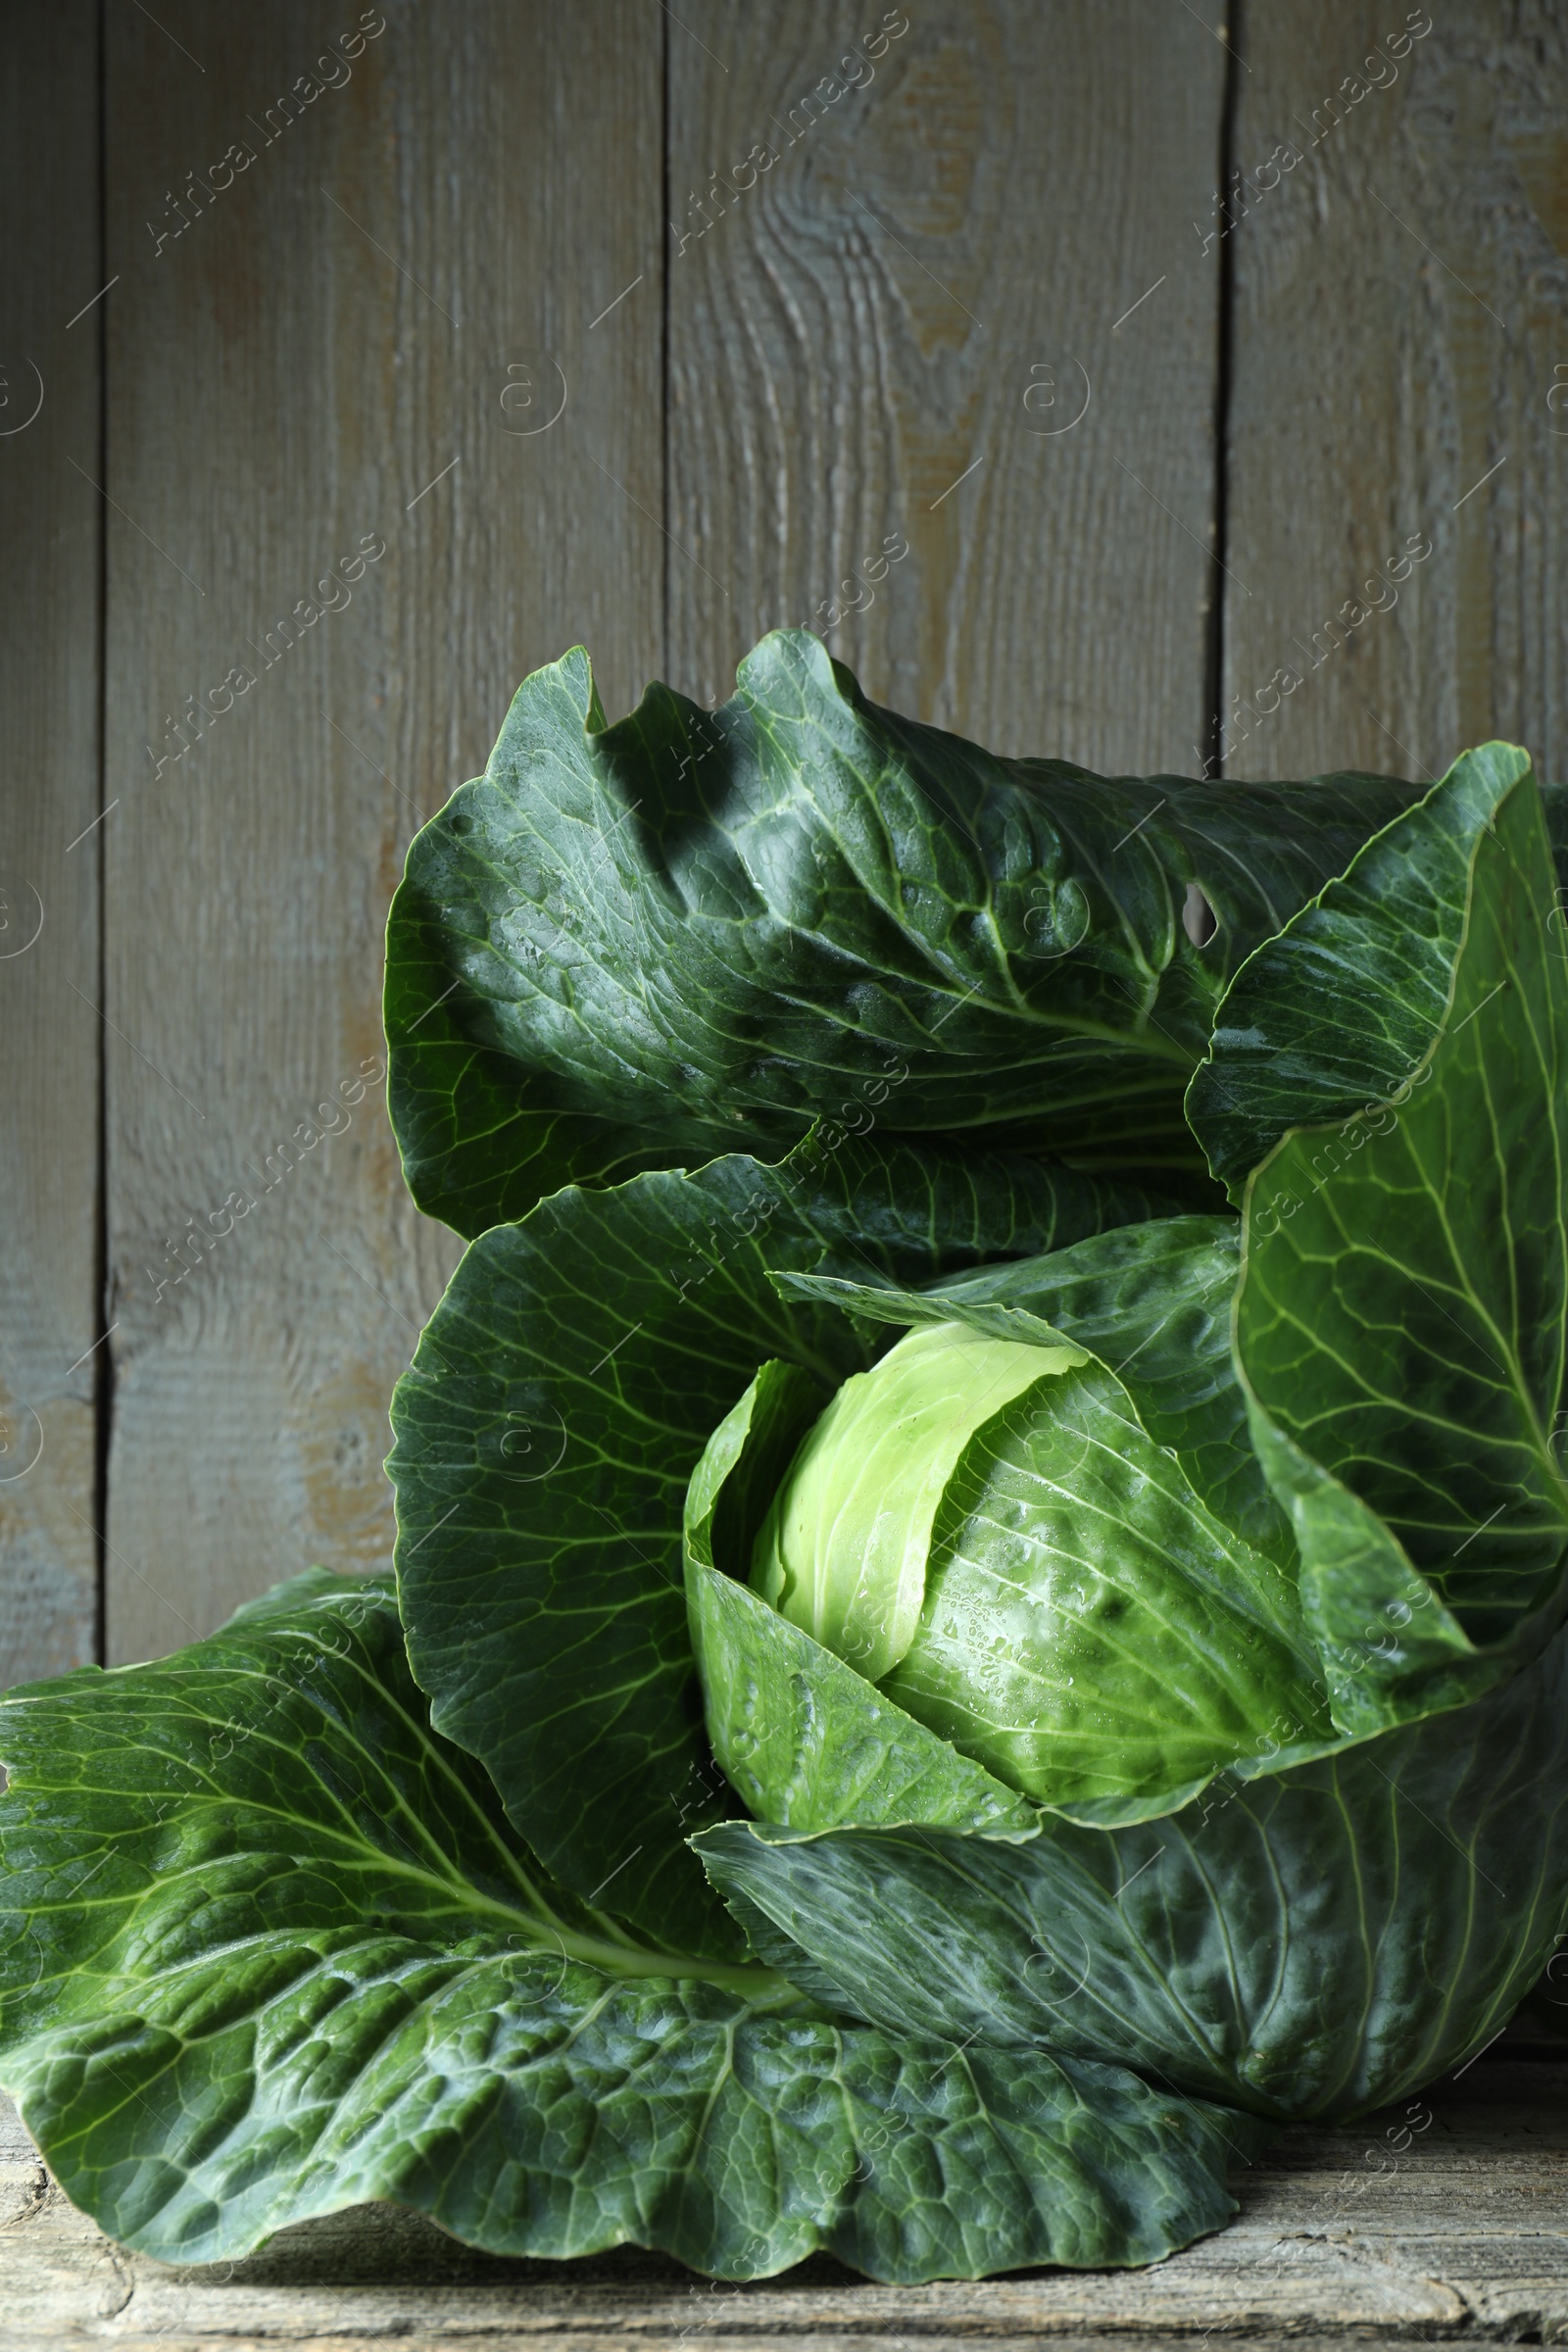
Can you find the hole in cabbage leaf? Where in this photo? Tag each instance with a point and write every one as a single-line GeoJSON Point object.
{"type": "Point", "coordinates": [1199, 919]}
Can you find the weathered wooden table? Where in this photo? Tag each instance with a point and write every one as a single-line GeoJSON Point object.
{"type": "Point", "coordinates": [1343, 2236]}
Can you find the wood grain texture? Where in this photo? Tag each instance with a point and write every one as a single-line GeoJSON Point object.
{"type": "Point", "coordinates": [51, 520]}
{"type": "Point", "coordinates": [923, 285]}
{"type": "Point", "coordinates": [1450, 2221]}
{"type": "Point", "coordinates": [320, 355]}
{"type": "Point", "coordinates": [1400, 325]}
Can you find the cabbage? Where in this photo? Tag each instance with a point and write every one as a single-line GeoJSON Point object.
{"type": "Point", "coordinates": [980, 1577]}
{"type": "Point", "coordinates": [842, 1552]}
{"type": "Point", "coordinates": [977, 1528]}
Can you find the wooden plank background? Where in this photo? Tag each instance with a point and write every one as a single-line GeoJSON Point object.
{"type": "Point", "coordinates": [323, 353]}
{"type": "Point", "coordinates": [1400, 320]}
{"type": "Point", "coordinates": [852, 342]}
{"type": "Point", "coordinates": [51, 525]}
{"type": "Point", "coordinates": [816, 284]}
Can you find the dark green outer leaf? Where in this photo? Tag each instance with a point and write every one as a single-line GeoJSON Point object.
{"type": "Point", "coordinates": [1323, 1940]}
{"type": "Point", "coordinates": [1400, 1318]}
{"type": "Point", "coordinates": [1391, 1651]}
{"type": "Point", "coordinates": [1342, 1006]}
{"type": "Point", "coordinates": [604, 1340]}
{"type": "Point", "coordinates": [625, 947]}
{"type": "Point", "coordinates": [268, 1948]}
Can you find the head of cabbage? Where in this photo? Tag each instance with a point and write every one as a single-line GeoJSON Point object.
{"type": "Point", "coordinates": [1147, 1673]}
{"type": "Point", "coordinates": [980, 1528]}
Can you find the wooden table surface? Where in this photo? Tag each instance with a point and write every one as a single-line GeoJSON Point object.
{"type": "Point", "coordinates": [1344, 2235]}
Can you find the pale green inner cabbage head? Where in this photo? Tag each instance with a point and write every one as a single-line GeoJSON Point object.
{"type": "Point", "coordinates": [843, 1550]}
{"type": "Point", "coordinates": [983, 1528]}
